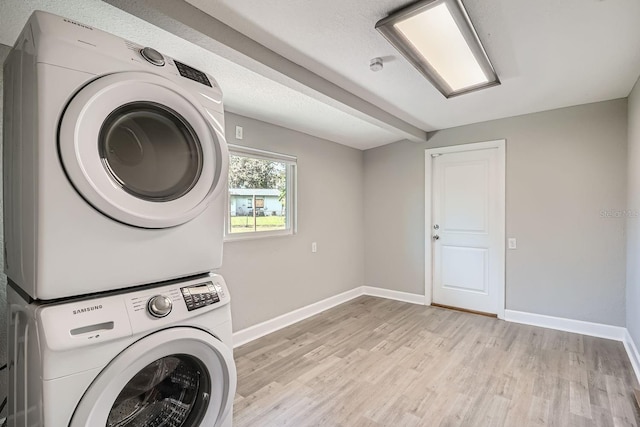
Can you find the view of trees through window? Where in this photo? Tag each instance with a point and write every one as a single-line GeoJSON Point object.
{"type": "Point", "coordinates": [257, 194]}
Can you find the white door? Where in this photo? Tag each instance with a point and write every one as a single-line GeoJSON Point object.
{"type": "Point", "coordinates": [467, 226]}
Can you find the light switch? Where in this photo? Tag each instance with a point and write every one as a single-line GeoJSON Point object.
{"type": "Point", "coordinates": [238, 132]}
{"type": "Point", "coordinates": [314, 247]}
{"type": "Point", "coordinates": [512, 243]}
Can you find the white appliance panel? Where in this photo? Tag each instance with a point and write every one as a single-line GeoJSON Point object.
{"type": "Point", "coordinates": [57, 243]}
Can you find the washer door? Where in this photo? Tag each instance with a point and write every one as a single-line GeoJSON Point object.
{"type": "Point", "coordinates": [142, 150]}
{"type": "Point", "coordinates": [178, 377]}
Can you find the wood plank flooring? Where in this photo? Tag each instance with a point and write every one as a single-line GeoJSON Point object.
{"type": "Point", "coordinates": [377, 362]}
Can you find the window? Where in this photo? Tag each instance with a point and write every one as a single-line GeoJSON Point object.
{"type": "Point", "coordinates": [261, 198]}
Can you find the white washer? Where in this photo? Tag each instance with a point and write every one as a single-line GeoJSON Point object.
{"type": "Point", "coordinates": [115, 163]}
{"type": "Point", "coordinates": [160, 354]}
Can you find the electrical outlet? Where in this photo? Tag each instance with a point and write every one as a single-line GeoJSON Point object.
{"type": "Point", "coordinates": [238, 132]}
{"type": "Point", "coordinates": [512, 243]}
{"type": "Point", "coordinates": [314, 247]}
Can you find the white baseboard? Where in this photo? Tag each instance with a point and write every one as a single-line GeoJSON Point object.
{"type": "Point", "coordinates": [617, 333]}
{"type": "Point", "coordinates": [568, 325]}
{"type": "Point", "coordinates": [599, 330]}
{"type": "Point", "coordinates": [395, 295]}
{"type": "Point", "coordinates": [634, 355]}
{"type": "Point", "coordinates": [261, 329]}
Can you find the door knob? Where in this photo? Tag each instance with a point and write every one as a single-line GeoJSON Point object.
{"type": "Point", "coordinates": [436, 237]}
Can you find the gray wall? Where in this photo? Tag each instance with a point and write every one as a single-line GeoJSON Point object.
{"type": "Point", "coordinates": [272, 276]}
{"type": "Point", "coordinates": [633, 221]}
{"type": "Point", "coordinates": [563, 168]}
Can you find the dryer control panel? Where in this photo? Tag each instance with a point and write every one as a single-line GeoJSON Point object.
{"type": "Point", "coordinates": [202, 294]}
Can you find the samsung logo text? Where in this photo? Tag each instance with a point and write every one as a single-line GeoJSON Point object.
{"type": "Point", "coordinates": [78, 24]}
{"type": "Point", "coordinates": [87, 309]}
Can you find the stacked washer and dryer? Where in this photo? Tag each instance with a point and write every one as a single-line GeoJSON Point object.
{"type": "Point", "coordinates": [115, 166]}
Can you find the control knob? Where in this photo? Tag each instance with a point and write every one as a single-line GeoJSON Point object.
{"type": "Point", "coordinates": [159, 306]}
{"type": "Point", "coordinates": [152, 56]}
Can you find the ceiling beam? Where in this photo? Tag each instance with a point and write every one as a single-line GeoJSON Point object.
{"type": "Point", "coordinates": [190, 23]}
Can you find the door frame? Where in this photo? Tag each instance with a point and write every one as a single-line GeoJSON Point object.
{"type": "Point", "coordinates": [499, 144]}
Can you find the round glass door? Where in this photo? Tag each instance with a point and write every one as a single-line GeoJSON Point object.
{"type": "Point", "coordinates": [151, 151]}
{"type": "Point", "coordinates": [143, 150]}
{"type": "Point", "coordinates": [176, 377]}
{"type": "Point", "coordinates": [172, 391]}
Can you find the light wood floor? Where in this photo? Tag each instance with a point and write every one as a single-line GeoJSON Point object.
{"type": "Point", "coordinates": [376, 362]}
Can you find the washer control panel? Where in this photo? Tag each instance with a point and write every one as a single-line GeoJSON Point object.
{"type": "Point", "coordinates": [201, 295]}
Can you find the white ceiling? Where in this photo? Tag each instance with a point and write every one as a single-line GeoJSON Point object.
{"type": "Point", "coordinates": [245, 91]}
{"type": "Point", "coordinates": [548, 54]}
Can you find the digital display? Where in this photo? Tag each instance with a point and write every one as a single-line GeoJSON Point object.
{"type": "Point", "coordinates": [192, 73]}
{"type": "Point", "coordinates": [202, 289]}
{"type": "Point", "coordinates": [198, 296]}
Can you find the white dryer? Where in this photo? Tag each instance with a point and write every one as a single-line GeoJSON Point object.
{"type": "Point", "coordinates": [157, 356]}
{"type": "Point", "coordinates": [115, 163]}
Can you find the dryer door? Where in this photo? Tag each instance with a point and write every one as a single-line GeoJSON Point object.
{"type": "Point", "coordinates": [142, 150]}
{"type": "Point", "coordinates": [178, 377]}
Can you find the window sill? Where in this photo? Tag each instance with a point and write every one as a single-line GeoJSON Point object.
{"type": "Point", "coordinates": [240, 237]}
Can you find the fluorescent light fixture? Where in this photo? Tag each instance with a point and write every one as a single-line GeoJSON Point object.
{"type": "Point", "coordinates": [438, 38]}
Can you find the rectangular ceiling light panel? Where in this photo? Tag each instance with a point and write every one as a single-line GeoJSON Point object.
{"type": "Point", "coordinates": [437, 37]}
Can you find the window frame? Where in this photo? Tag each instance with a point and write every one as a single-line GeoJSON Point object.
{"type": "Point", "coordinates": [291, 164]}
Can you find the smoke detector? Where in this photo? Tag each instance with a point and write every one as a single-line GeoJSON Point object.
{"type": "Point", "coordinates": [376, 64]}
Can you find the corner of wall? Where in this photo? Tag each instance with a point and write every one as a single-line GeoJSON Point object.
{"type": "Point", "coordinates": [632, 341]}
{"type": "Point", "coordinates": [4, 50]}
{"type": "Point", "coordinates": [632, 352]}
